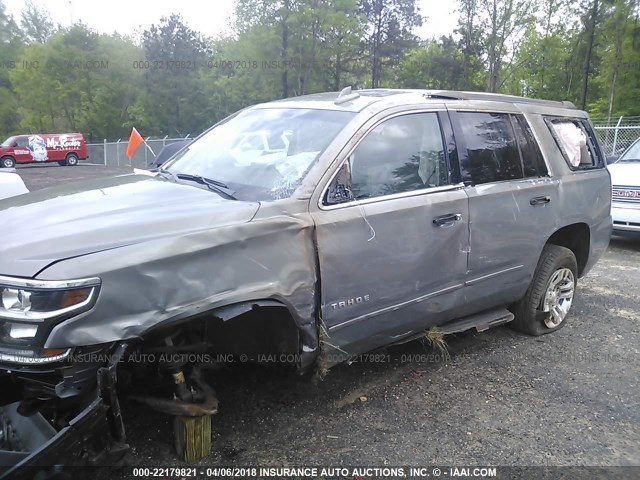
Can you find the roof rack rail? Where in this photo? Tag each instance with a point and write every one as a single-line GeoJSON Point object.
{"type": "Point", "coordinates": [346, 96]}
{"type": "Point", "coordinates": [497, 97]}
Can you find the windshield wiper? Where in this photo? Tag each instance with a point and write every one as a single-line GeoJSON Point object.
{"type": "Point", "coordinates": [214, 185]}
{"type": "Point", "coordinates": [167, 174]}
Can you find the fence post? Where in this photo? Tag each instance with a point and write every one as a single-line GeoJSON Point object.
{"type": "Point", "coordinates": [164, 141]}
{"type": "Point", "coordinates": [118, 150]}
{"type": "Point", "coordinates": [146, 152]}
{"type": "Point", "coordinates": [104, 151]}
{"type": "Point", "coordinates": [615, 136]}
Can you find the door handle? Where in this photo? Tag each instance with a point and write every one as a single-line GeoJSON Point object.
{"type": "Point", "coordinates": [445, 220]}
{"type": "Point", "coordinates": [539, 200]}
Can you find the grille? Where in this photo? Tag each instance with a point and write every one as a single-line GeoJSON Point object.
{"type": "Point", "coordinates": [625, 194]}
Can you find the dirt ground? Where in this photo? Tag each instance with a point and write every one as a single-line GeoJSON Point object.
{"type": "Point", "coordinates": [502, 398]}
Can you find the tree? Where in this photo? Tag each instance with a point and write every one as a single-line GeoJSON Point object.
{"type": "Point", "coordinates": [471, 45]}
{"type": "Point", "coordinates": [37, 24]}
{"type": "Point", "coordinates": [504, 23]}
{"type": "Point", "coordinates": [11, 46]}
{"type": "Point", "coordinates": [388, 33]}
{"type": "Point", "coordinates": [78, 80]}
{"type": "Point", "coordinates": [590, 33]}
{"type": "Point", "coordinates": [171, 101]}
{"type": "Point", "coordinates": [434, 65]}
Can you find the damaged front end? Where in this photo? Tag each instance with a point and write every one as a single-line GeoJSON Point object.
{"type": "Point", "coordinates": [53, 400]}
{"type": "Point", "coordinates": [65, 412]}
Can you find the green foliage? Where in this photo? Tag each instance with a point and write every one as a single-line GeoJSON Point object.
{"type": "Point", "coordinates": [433, 65]}
{"type": "Point", "coordinates": [77, 81]}
{"type": "Point", "coordinates": [36, 23]}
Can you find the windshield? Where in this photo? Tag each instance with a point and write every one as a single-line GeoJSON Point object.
{"type": "Point", "coordinates": [262, 154]}
{"type": "Point", "coordinates": [631, 155]}
{"type": "Point", "coordinates": [7, 142]}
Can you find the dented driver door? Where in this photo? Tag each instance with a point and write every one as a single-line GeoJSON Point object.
{"type": "Point", "coordinates": [392, 234]}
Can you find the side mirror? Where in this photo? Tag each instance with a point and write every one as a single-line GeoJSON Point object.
{"type": "Point", "coordinates": [612, 159]}
{"type": "Point", "coordinates": [340, 189]}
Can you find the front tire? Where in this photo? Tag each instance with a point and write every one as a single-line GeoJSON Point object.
{"type": "Point", "coordinates": [8, 162]}
{"type": "Point", "coordinates": [545, 306]}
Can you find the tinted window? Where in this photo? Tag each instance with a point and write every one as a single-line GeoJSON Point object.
{"type": "Point", "coordinates": [400, 155]}
{"type": "Point", "coordinates": [532, 160]}
{"type": "Point", "coordinates": [492, 151]}
{"type": "Point", "coordinates": [22, 141]}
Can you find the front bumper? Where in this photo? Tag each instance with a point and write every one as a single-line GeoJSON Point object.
{"type": "Point", "coordinates": [95, 436]}
{"type": "Point", "coordinates": [626, 218]}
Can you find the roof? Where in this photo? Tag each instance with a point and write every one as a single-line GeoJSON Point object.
{"type": "Point", "coordinates": [359, 99]}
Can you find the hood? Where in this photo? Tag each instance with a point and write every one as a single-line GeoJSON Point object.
{"type": "Point", "coordinates": [627, 174]}
{"type": "Point", "coordinates": [76, 219]}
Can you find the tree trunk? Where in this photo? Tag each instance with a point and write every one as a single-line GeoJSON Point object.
{"type": "Point", "coordinates": [338, 72]}
{"type": "Point", "coordinates": [284, 80]}
{"type": "Point", "coordinates": [591, 33]}
{"type": "Point", "coordinates": [543, 60]}
{"type": "Point", "coordinates": [493, 61]}
{"type": "Point", "coordinates": [376, 67]}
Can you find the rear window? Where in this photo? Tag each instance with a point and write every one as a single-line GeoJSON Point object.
{"type": "Point", "coordinates": [576, 141]}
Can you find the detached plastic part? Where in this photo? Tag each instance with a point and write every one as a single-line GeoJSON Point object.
{"type": "Point", "coordinates": [63, 448]}
{"type": "Point", "coordinates": [24, 435]}
{"type": "Point", "coordinates": [31, 448]}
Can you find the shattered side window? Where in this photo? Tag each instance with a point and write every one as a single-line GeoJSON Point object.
{"type": "Point", "coordinates": [576, 143]}
{"type": "Point", "coordinates": [339, 190]}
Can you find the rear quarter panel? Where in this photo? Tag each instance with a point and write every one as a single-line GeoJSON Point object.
{"type": "Point", "coordinates": [584, 196]}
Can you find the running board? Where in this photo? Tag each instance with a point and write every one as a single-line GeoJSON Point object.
{"type": "Point", "coordinates": [480, 321]}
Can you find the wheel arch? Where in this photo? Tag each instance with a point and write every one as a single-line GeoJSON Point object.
{"type": "Point", "coordinates": [255, 327]}
{"type": "Point", "coordinates": [577, 238]}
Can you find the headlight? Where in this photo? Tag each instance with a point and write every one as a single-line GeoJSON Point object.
{"type": "Point", "coordinates": [29, 309]}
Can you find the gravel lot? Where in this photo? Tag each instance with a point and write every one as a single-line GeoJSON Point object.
{"type": "Point", "coordinates": [570, 398]}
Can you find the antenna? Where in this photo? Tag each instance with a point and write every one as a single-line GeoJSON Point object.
{"type": "Point", "coordinates": [345, 91]}
{"type": "Point", "coordinates": [346, 96]}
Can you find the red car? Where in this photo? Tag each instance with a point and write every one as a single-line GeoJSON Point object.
{"type": "Point", "coordinates": [64, 148]}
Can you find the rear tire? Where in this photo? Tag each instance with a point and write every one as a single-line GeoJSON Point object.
{"type": "Point", "coordinates": [545, 306]}
{"type": "Point", "coordinates": [8, 162]}
{"type": "Point", "coordinates": [71, 160]}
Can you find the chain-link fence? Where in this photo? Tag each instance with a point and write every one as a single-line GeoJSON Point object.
{"type": "Point", "coordinates": [114, 153]}
{"type": "Point", "coordinates": [616, 136]}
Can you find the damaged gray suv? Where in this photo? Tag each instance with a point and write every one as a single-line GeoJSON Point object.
{"type": "Point", "coordinates": [307, 230]}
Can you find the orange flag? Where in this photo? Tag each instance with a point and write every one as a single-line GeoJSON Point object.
{"type": "Point", "coordinates": [135, 140]}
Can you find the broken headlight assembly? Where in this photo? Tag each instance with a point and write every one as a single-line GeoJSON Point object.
{"type": "Point", "coordinates": [29, 309]}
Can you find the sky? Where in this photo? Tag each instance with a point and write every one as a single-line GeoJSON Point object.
{"type": "Point", "coordinates": [210, 17]}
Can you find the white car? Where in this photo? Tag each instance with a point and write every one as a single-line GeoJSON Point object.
{"type": "Point", "coordinates": [625, 190]}
{"type": "Point", "coordinates": [11, 184]}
